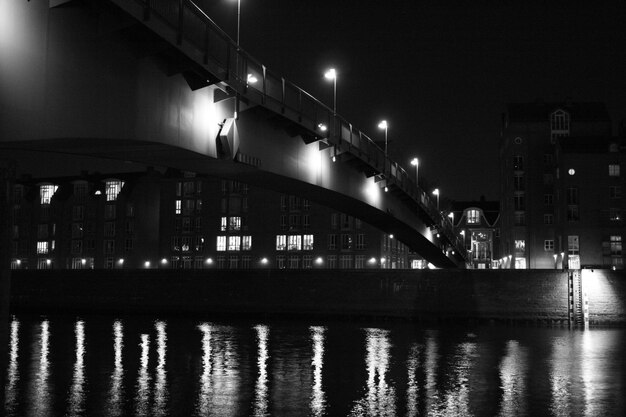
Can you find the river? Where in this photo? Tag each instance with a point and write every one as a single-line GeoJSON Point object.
{"type": "Point", "coordinates": [183, 366]}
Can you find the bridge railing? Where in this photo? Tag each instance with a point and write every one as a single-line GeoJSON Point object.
{"type": "Point", "coordinates": [217, 51]}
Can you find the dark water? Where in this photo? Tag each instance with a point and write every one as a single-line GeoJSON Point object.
{"type": "Point", "coordinates": [105, 366]}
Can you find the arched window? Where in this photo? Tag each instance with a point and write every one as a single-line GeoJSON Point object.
{"type": "Point", "coordinates": [559, 125]}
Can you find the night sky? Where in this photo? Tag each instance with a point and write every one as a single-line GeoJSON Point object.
{"type": "Point", "coordinates": [440, 72]}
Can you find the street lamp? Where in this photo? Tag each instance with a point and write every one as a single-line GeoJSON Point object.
{"type": "Point", "coordinates": [383, 125]}
{"type": "Point", "coordinates": [436, 192]}
{"type": "Point", "coordinates": [331, 75]}
{"type": "Point", "coordinates": [238, 21]}
{"type": "Point", "coordinates": [416, 163]}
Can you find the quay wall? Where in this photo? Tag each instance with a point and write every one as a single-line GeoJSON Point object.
{"type": "Point", "coordinates": [499, 295]}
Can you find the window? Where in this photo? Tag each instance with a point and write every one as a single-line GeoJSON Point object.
{"type": "Point", "coordinates": [233, 262]}
{"type": "Point", "coordinates": [245, 262]}
{"type": "Point", "coordinates": [307, 242]}
{"type": "Point", "coordinates": [613, 170]}
{"type": "Point", "coordinates": [223, 224]}
{"type": "Point", "coordinates": [221, 244]}
{"type": "Point", "coordinates": [294, 202]}
{"type": "Point", "coordinates": [109, 211]}
{"type": "Point", "coordinates": [615, 214]}
{"type": "Point", "coordinates": [80, 191]}
{"type": "Point", "coordinates": [175, 243]}
{"type": "Point", "coordinates": [520, 247]}
{"type": "Point", "coordinates": [186, 224]}
{"type": "Point", "coordinates": [113, 188]}
{"type": "Point", "coordinates": [78, 213]}
{"type": "Point", "coordinates": [473, 216]}
{"type": "Point", "coordinates": [520, 218]}
{"type": "Point", "coordinates": [572, 195]}
{"type": "Point", "coordinates": [333, 221]}
{"type": "Point", "coordinates": [128, 244]}
{"type": "Point", "coordinates": [42, 247]}
{"type": "Point", "coordinates": [359, 261]}
{"type": "Point", "coordinates": [294, 221]}
{"type": "Point", "coordinates": [616, 245]}
{"type": "Point", "coordinates": [294, 262]}
{"type": "Point", "coordinates": [234, 223]}
{"type": "Point", "coordinates": [306, 221]}
{"type": "Point", "coordinates": [548, 218]}
{"type": "Point", "coordinates": [234, 243]}
{"type": "Point", "coordinates": [199, 244]}
{"type": "Point", "coordinates": [345, 262]}
{"type": "Point", "coordinates": [46, 192]}
{"type": "Point", "coordinates": [186, 243]}
{"type": "Point", "coordinates": [306, 205]}
{"type": "Point", "coordinates": [548, 199]}
{"type": "Point", "coordinates": [188, 188]}
{"type": "Point", "coordinates": [573, 245]}
{"type": "Point", "coordinates": [572, 214]}
{"type": "Point", "coordinates": [109, 229]}
{"type": "Point", "coordinates": [559, 125]}
{"type": "Point", "coordinates": [283, 222]}
{"type": "Point", "coordinates": [109, 246]}
{"type": "Point", "coordinates": [283, 203]}
{"type": "Point", "coordinates": [246, 242]}
{"type": "Point", "coordinates": [360, 241]}
{"type": "Point", "coordinates": [294, 242]}
{"type": "Point", "coordinates": [307, 261]}
{"type": "Point", "coordinates": [178, 206]}
{"type": "Point", "coordinates": [332, 241]}
{"type": "Point", "coordinates": [548, 245]}
{"type": "Point", "coordinates": [42, 231]}
{"type": "Point", "coordinates": [518, 182]}
{"type": "Point", "coordinates": [346, 241]}
{"type": "Point", "coordinates": [280, 262]}
{"type": "Point", "coordinates": [281, 242]}
{"type": "Point", "coordinates": [615, 191]}
{"type": "Point", "coordinates": [519, 202]}
{"type": "Point", "coordinates": [129, 227]}
{"type": "Point", "coordinates": [189, 207]}
{"type": "Point", "coordinates": [332, 261]}
{"type": "Point", "coordinates": [518, 163]}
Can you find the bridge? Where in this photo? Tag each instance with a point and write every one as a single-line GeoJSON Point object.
{"type": "Point", "coordinates": [158, 82]}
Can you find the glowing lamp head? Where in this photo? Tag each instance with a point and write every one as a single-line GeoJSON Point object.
{"type": "Point", "coordinates": [331, 74]}
{"type": "Point", "coordinates": [252, 79]}
{"type": "Point", "coordinates": [415, 161]}
{"type": "Point", "coordinates": [322, 127]}
{"type": "Point", "coordinates": [436, 191]}
{"type": "Point", "coordinates": [264, 261]}
{"type": "Point", "coordinates": [383, 125]}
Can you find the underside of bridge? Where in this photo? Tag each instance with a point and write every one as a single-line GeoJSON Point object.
{"type": "Point", "coordinates": [86, 78]}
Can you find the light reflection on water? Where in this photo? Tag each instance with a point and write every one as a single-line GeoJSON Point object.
{"type": "Point", "coordinates": [152, 368]}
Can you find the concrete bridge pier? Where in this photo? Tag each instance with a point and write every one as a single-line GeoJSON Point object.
{"type": "Point", "coordinates": [7, 176]}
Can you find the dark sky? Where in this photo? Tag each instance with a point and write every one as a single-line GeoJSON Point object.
{"type": "Point", "coordinates": [440, 72]}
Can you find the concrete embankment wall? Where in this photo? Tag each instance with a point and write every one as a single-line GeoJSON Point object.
{"type": "Point", "coordinates": [513, 295]}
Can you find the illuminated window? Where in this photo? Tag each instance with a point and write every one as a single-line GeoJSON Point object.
{"type": "Point", "coordinates": [46, 192]}
{"type": "Point", "coordinates": [234, 223]}
{"type": "Point", "coordinates": [616, 245]}
{"type": "Point", "coordinates": [221, 244]}
{"type": "Point", "coordinates": [246, 242]}
{"type": "Point", "coordinates": [473, 216]}
{"type": "Point", "coordinates": [294, 242]}
{"type": "Point", "coordinates": [307, 242]}
{"type": "Point", "coordinates": [113, 188]}
{"type": "Point", "coordinates": [548, 245]}
{"type": "Point", "coordinates": [234, 243]}
{"type": "Point", "coordinates": [223, 224]}
{"type": "Point", "coordinates": [520, 247]}
{"type": "Point", "coordinates": [614, 170]}
{"type": "Point", "coordinates": [179, 207]}
{"type": "Point", "coordinates": [573, 246]}
{"type": "Point", "coordinates": [281, 242]}
{"type": "Point", "coordinates": [42, 247]}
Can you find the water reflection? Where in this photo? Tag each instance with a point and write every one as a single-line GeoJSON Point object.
{"type": "Point", "coordinates": [260, 400]}
{"type": "Point", "coordinates": [116, 396]}
{"type": "Point", "coordinates": [412, 386]}
{"type": "Point", "coordinates": [160, 385]}
{"type": "Point", "coordinates": [380, 396]}
{"type": "Point", "coordinates": [219, 381]}
{"type": "Point", "coordinates": [561, 377]}
{"type": "Point", "coordinates": [77, 397]}
{"type": "Point", "coordinates": [513, 372]}
{"type": "Point", "coordinates": [13, 375]}
{"type": "Point", "coordinates": [318, 400]}
{"type": "Point", "coordinates": [143, 379]}
{"type": "Point", "coordinates": [40, 395]}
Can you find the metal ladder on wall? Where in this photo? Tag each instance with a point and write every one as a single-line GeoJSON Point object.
{"type": "Point", "coordinates": [578, 313]}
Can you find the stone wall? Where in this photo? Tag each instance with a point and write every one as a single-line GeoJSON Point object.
{"type": "Point", "coordinates": [513, 295]}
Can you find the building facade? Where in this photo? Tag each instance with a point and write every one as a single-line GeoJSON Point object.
{"type": "Point", "coordinates": [477, 222]}
{"type": "Point", "coordinates": [561, 194]}
{"type": "Point", "coordinates": [181, 220]}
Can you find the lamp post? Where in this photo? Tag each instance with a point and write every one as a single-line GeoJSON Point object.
{"type": "Point", "coordinates": [238, 21]}
{"type": "Point", "coordinates": [383, 125]}
{"type": "Point", "coordinates": [331, 75]}
{"type": "Point", "coordinates": [436, 193]}
{"type": "Point", "coordinates": [416, 163]}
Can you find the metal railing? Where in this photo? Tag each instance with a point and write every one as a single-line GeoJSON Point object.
{"type": "Point", "coordinates": [206, 43]}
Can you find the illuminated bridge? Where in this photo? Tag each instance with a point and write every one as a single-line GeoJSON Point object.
{"type": "Point", "coordinates": [158, 82]}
